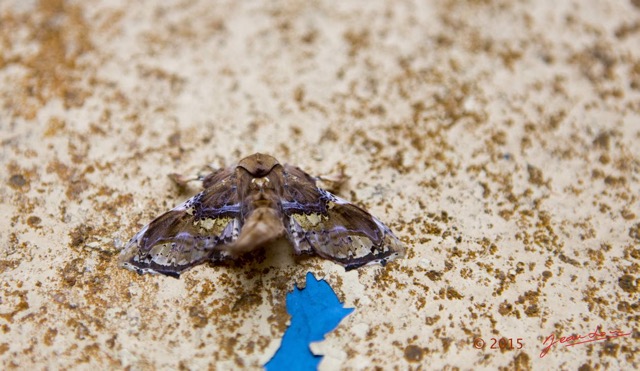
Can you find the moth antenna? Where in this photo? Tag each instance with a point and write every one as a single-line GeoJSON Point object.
{"type": "Point", "coordinates": [182, 180]}
{"type": "Point", "coordinates": [334, 181]}
{"type": "Point", "coordinates": [210, 167]}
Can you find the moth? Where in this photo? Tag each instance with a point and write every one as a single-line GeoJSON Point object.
{"type": "Point", "coordinates": [243, 207]}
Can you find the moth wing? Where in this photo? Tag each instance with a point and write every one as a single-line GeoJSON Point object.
{"type": "Point", "coordinates": [322, 223]}
{"type": "Point", "coordinates": [187, 235]}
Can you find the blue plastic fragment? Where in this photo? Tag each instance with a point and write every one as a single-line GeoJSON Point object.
{"type": "Point", "coordinates": [315, 311]}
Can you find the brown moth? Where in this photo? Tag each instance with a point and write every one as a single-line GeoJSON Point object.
{"type": "Point", "coordinates": [245, 206]}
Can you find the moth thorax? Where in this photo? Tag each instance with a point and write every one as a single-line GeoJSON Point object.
{"type": "Point", "coordinates": [260, 182]}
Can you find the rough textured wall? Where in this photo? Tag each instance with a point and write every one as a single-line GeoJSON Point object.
{"type": "Point", "coordinates": [499, 139]}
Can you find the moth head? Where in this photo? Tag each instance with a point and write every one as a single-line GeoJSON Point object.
{"type": "Point", "coordinates": [258, 164]}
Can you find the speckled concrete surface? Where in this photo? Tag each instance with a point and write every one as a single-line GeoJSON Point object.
{"type": "Point", "coordinates": [498, 139]}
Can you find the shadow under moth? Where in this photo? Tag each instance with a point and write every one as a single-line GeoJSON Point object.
{"type": "Point", "coordinates": [243, 207]}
